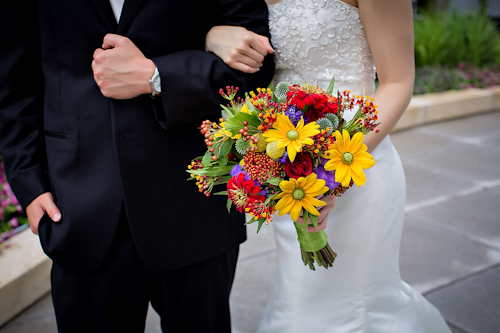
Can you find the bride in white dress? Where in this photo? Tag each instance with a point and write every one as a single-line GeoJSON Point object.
{"type": "Point", "coordinates": [316, 40]}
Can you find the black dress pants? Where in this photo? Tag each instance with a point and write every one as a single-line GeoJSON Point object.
{"type": "Point", "coordinates": [115, 297]}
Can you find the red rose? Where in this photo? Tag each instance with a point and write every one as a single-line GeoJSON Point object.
{"type": "Point", "coordinates": [301, 166]}
{"type": "Point", "coordinates": [313, 114]}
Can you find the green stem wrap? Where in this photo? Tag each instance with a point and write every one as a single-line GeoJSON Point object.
{"type": "Point", "coordinates": [310, 241]}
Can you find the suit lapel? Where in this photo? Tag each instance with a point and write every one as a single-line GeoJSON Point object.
{"type": "Point", "coordinates": [130, 9]}
{"type": "Point", "coordinates": [103, 7]}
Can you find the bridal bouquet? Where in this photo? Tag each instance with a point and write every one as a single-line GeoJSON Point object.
{"type": "Point", "coordinates": [284, 150]}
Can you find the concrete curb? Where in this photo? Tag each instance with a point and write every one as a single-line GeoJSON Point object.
{"type": "Point", "coordinates": [430, 108]}
{"type": "Point", "coordinates": [25, 274]}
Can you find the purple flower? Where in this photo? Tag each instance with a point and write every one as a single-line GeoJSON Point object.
{"type": "Point", "coordinates": [264, 191]}
{"type": "Point", "coordinates": [327, 176]}
{"type": "Point", "coordinates": [294, 114]}
{"type": "Point", "coordinates": [236, 170]}
{"type": "Point", "coordinates": [284, 158]}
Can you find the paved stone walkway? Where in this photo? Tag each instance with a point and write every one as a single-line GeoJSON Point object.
{"type": "Point", "coordinates": [450, 248]}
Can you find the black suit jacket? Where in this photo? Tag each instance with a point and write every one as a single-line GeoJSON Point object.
{"type": "Point", "coordinates": [58, 133]}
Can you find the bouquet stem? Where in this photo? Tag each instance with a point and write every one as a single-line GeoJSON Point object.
{"type": "Point", "coordinates": [324, 257]}
{"type": "Point", "coordinates": [314, 248]}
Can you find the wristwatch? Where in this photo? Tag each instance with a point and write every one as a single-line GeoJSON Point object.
{"type": "Point", "coordinates": [155, 83]}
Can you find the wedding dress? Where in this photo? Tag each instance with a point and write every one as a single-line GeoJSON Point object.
{"type": "Point", "coordinates": [363, 291]}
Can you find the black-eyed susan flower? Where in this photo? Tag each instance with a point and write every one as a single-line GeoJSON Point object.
{"type": "Point", "coordinates": [348, 157]}
{"type": "Point", "coordinates": [300, 193]}
{"type": "Point", "coordinates": [290, 136]}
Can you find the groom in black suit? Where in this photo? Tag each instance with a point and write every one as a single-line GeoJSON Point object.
{"type": "Point", "coordinates": [98, 164]}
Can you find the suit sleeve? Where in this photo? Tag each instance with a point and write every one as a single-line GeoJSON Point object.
{"type": "Point", "coordinates": [191, 79]}
{"type": "Point", "coordinates": [21, 107]}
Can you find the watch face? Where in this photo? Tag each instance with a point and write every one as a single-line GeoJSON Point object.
{"type": "Point", "coordinates": [157, 84]}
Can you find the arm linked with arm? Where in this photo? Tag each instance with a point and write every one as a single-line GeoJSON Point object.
{"type": "Point", "coordinates": [191, 79]}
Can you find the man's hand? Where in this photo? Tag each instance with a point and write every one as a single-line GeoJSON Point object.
{"type": "Point", "coordinates": [120, 69]}
{"type": "Point", "coordinates": [323, 214]}
{"type": "Point", "coordinates": [35, 210]}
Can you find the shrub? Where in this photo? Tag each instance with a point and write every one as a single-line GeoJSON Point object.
{"type": "Point", "coordinates": [479, 77]}
{"type": "Point", "coordinates": [429, 79]}
{"type": "Point", "coordinates": [11, 215]}
{"type": "Point", "coordinates": [449, 38]}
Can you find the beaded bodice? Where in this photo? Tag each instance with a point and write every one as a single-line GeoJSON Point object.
{"type": "Point", "coordinates": [316, 40]}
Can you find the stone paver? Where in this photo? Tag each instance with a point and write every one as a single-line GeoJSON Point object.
{"type": "Point", "coordinates": [450, 248]}
{"type": "Point", "coordinates": [472, 304]}
{"type": "Point", "coordinates": [431, 257]}
{"type": "Point", "coordinates": [38, 318]}
{"type": "Point", "coordinates": [471, 217]}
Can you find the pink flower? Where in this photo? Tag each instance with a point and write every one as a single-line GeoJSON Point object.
{"type": "Point", "coordinates": [14, 222]}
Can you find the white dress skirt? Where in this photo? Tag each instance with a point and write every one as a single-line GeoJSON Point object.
{"type": "Point", "coordinates": [363, 291]}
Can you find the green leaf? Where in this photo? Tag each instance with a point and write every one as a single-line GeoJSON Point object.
{"type": "Point", "coordinates": [220, 193]}
{"type": "Point", "coordinates": [228, 205]}
{"type": "Point", "coordinates": [274, 181]}
{"type": "Point", "coordinates": [223, 160]}
{"type": "Point", "coordinates": [269, 198]}
{"type": "Point", "coordinates": [224, 180]}
{"type": "Point", "coordinates": [330, 87]}
{"type": "Point", "coordinates": [271, 86]}
{"type": "Point", "coordinates": [207, 159]}
{"type": "Point", "coordinates": [252, 220]}
{"type": "Point", "coordinates": [215, 171]}
{"type": "Point", "coordinates": [314, 220]}
{"type": "Point", "coordinates": [250, 106]}
{"type": "Point", "coordinates": [225, 149]}
{"type": "Point", "coordinates": [261, 222]}
{"type": "Point", "coordinates": [235, 123]}
{"type": "Point", "coordinates": [275, 98]}
{"type": "Point", "coordinates": [230, 113]}
{"type": "Point", "coordinates": [225, 115]}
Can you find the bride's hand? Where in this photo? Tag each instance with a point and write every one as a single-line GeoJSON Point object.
{"type": "Point", "coordinates": [238, 47]}
{"type": "Point", "coordinates": [323, 214]}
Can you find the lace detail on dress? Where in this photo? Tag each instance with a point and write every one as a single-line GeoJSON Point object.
{"type": "Point", "coordinates": [316, 40]}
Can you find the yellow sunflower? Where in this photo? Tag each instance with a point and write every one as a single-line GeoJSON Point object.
{"type": "Point", "coordinates": [291, 137]}
{"type": "Point", "coordinates": [348, 157]}
{"type": "Point", "coordinates": [300, 193]}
